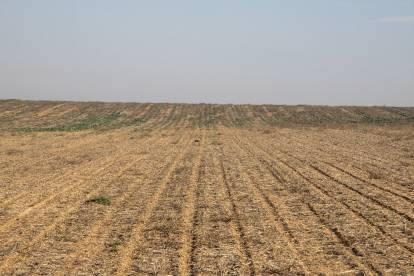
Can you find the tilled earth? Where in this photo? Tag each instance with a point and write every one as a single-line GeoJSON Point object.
{"type": "Point", "coordinates": [199, 201]}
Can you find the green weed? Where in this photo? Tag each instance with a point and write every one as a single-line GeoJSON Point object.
{"type": "Point", "coordinates": [100, 200]}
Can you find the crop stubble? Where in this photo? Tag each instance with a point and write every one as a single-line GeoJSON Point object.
{"type": "Point", "coordinates": [205, 201]}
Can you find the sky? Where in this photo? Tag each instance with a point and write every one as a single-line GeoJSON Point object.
{"type": "Point", "coordinates": [314, 52]}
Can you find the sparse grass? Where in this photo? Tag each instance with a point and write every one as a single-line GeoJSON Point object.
{"type": "Point", "coordinates": [99, 200]}
{"type": "Point", "coordinates": [114, 245]}
{"type": "Point", "coordinates": [66, 238]}
{"type": "Point", "coordinates": [250, 217]}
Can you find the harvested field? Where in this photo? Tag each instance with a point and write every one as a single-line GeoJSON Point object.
{"type": "Point", "coordinates": [164, 189]}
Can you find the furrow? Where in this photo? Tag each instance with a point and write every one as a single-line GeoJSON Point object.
{"type": "Point", "coordinates": [354, 210]}
{"type": "Point", "coordinates": [382, 204]}
{"type": "Point", "coordinates": [378, 186]}
{"type": "Point", "coordinates": [384, 241]}
{"type": "Point", "coordinates": [299, 206]}
{"type": "Point", "coordinates": [189, 216]}
{"type": "Point", "coordinates": [403, 185]}
{"type": "Point", "coordinates": [267, 230]}
{"type": "Point", "coordinates": [63, 215]}
{"type": "Point", "coordinates": [137, 232]}
{"type": "Point", "coordinates": [31, 186]}
{"type": "Point", "coordinates": [239, 227]}
{"type": "Point", "coordinates": [191, 262]}
{"type": "Point", "coordinates": [387, 168]}
{"type": "Point", "coordinates": [41, 186]}
{"type": "Point", "coordinates": [403, 197]}
{"type": "Point", "coordinates": [67, 188]}
{"type": "Point", "coordinates": [47, 155]}
{"type": "Point", "coordinates": [92, 246]}
{"type": "Point", "coordinates": [216, 248]}
{"type": "Point", "coordinates": [342, 239]}
{"type": "Point", "coordinates": [351, 155]}
{"type": "Point", "coordinates": [389, 195]}
{"type": "Point", "coordinates": [359, 151]}
{"type": "Point", "coordinates": [333, 150]}
{"type": "Point", "coordinates": [161, 239]}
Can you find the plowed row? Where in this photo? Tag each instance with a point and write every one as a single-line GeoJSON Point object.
{"type": "Point", "coordinates": [207, 201]}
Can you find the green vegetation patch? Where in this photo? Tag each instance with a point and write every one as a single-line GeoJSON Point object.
{"type": "Point", "coordinates": [100, 200]}
{"type": "Point", "coordinates": [90, 122]}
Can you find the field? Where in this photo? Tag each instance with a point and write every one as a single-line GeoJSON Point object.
{"type": "Point", "coordinates": [180, 189]}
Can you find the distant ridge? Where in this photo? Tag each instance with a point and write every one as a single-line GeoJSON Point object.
{"type": "Point", "coordinates": [45, 116]}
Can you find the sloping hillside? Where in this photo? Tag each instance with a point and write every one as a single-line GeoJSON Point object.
{"type": "Point", "coordinates": [26, 116]}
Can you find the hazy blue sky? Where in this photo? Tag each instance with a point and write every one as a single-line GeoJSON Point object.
{"type": "Point", "coordinates": [346, 52]}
